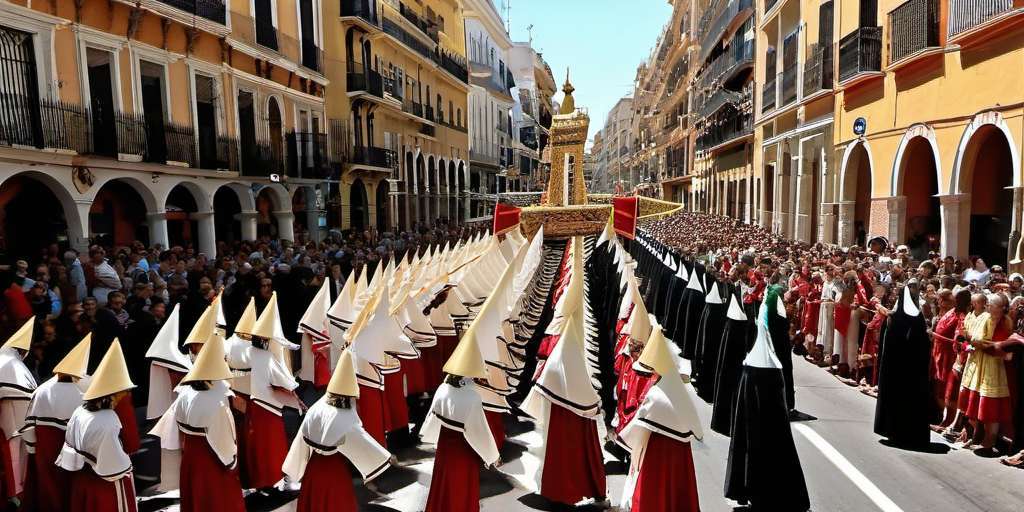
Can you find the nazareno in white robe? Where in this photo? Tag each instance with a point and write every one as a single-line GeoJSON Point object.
{"type": "Point", "coordinates": [461, 409]}
{"type": "Point", "coordinates": [327, 430]}
{"type": "Point", "coordinates": [16, 387]}
{"type": "Point", "coordinates": [205, 413]}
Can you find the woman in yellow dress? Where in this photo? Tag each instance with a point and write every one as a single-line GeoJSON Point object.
{"type": "Point", "coordinates": [985, 393]}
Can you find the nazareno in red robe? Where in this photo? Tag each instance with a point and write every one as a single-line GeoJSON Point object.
{"type": "Point", "coordinates": [397, 417]}
{"type": "Point", "coordinates": [46, 484]}
{"type": "Point", "coordinates": [265, 446]}
{"type": "Point", "coordinates": [573, 463]}
{"type": "Point", "coordinates": [455, 484]}
{"type": "Point", "coordinates": [667, 480]}
{"type": "Point", "coordinates": [331, 477]}
{"type": "Point", "coordinates": [630, 389]}
{"type": "Point", "coordinates": [90, 493]}
{"type": "Point", "coordinates": [125, 410]}
{"type": "Point", "coordinates": [370, 406]}
{"type": "Point", "coordinates": [496, 423]}
{"type": "Point", "coordinates": [206, 484]}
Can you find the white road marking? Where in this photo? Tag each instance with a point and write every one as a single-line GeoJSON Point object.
{"type": "Point", "coordinates": [843, 464]}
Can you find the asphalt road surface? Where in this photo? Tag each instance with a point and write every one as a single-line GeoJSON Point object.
{"type": "Point", "coordinates": [846, 467]}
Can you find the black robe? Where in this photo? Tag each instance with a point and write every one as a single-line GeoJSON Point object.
{"type": "Point", "coordinates": [764, 468]}
{"type": "Point", "coordinates": [674, 318]}
{"type": "Point", "coordinates": [736, 342]}
{"type": "Point", "coordinates": [778, 326]}
{"type": "Point", "coordinates": [693, 306]}
{"type": "Point", "coordinates": [903, 411]}
{"type": "Point", "coordinates": [709, 341]}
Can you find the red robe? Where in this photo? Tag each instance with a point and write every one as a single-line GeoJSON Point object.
{"type": "Point", "coordinates": [573, 463]}
{"type": "Point", "coordinates": [46, 484]}
{"type": "Point", "coordinates": [630, 391]}
{"type": "Point", "coordinates": [432, 364]}
{"type": "Point", "coordinates": [455, 484]}
{"type": "Point", "coordinates": [326, 485]}
{"type": "Point", "coordinates": [265, 446]}
{"type": "Point", "coordinates": [370, 406]}
{"type": "Point", "coordinates": [129, 428]}
{"type": "Point", "coordinates": [90, 493]}
{"type": "Point", "coordinates": [8, 480]}
{"type": "Point", "coordinates": [321, 364]}
{"type": "Point", "coordinates": [397, 416]}
{"type": "Point", "coordinates": [496, 422]}
{"type": "Point", "coordinates": [667, 480]}
{"type": "Point", "coordinates": [205, 483]}
{"type": "Point", "coordinates": [415, 382]}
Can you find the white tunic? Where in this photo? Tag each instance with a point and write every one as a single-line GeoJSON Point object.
{"type": "Point", "coordinates": [52, 405]}
{"type": "Point", "coordinates": [460, 409]}
{"type": "Point", "coordinates": [328, 430]}
{"type": "Point", "coordinates": [16, 387]}
{"type": "Point", "coordinates": [93, 438]}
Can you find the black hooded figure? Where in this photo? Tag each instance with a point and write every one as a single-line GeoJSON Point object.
{"type": "Point", "coordinates": [693, 307]}
{"type": "Point", "coordinates": [709, 340]}
{"type": "Point", "coordinates": [674, 318]}
{"type": "Point", "coordinates": [778, 327]}
{"type": "Point", "coordinates": [736, 342]}
{"type": "Point", "coordinates": [902, 413]}
{"type": "Point", "coordinates": [764, 469]}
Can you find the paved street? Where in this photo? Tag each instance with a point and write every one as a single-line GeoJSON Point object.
{"type": "Point", "coordinates": [846, 467]}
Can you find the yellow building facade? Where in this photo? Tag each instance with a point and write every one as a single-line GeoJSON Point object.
{"type": "Point", "coordinates": [403, 110]}
{"type": "Point", "coordinates": [174, 122]}
{"type": "Point", "coordinates": [935, 86]}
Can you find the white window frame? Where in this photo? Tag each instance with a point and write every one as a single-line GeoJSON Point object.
{"type": "Point", "coordinates": [142, 52]}
{"type": "Point", "coordinates": [42, 27]}
{"type": "Point", "coordinates": [90, 38]}
{"type": "Point", "coordinates": [196, 67]}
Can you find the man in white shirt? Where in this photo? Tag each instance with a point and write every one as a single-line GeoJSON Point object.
{"type": "Point", "coordinates": [107, 279]}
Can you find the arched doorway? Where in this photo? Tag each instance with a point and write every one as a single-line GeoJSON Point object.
{"type": "Point", "coordinates": [856, 197]}
{"type": "Point", "coordinates": [453, 191]}
{"type": "Point", "coordinates": [986, 173]}
{"type": "Point", "coordinates": [768, 208]}
{"type": "Point", "coordinates": [359, 212]}
{"type": "Point", "coordinates": [300, 209]}
{"type": "Point", "coordinates": [462, 191]}
{"type": "Point", "coordinates": [117, 216]}
{"type": "Point", "coordinates": [27, 228]}
{"type": "Point", "coordinates": [383, 205]}
{"type": "Point", "coordinates": [920, 185]}
{"type": "Point", "coordinates": [226, 211]}
{"type": "Point", "coordinates": [421, 189]}
{"type": "Point", "coordinates": [275, 127]}
{"type": "Point", "coordinates": [182, 227]}
{"type": "Point", "coordinates": [266, 224]}
{"type": "Point", "coordinates": [432, 195]}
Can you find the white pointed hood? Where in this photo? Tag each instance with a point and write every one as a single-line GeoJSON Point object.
{"type": "Point", "coordinates": [164, 349]}
{"type": "Point", "coordinates": [762, 354]}
{"type": "Point", "coordinates": [314, 321]}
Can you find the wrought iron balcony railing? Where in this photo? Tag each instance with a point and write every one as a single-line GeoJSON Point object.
{"type": "Point", "coordinates": [427, 27]}
{"type": "Point", "coordinates": [966, 14]}
{"type": "Point", "coordinates": [913, 26]}
{"type": "Point", "coordinates": [262, 157]}
{"type": "Point", "coordinates": [448, 61]}
{"type": "Point", "coordinates": [367, 80]}
{"type": "Point", "coordinates": [365, 9]}
{"type": "Point", "coordinates": [818, 69]}
{"type": "Point", "coordinates": [213, 10]}
{"type": "Point", "coordinates": [716, 24]}
{"type": "Point", "coordinates": [375, 157]}
{"type": "Point", "coordinates": [860, 52]}
{"type": "Point", "coordinates": [788, 77]}
{"type": "Point", "coordinates": [768, 93]}
{"type": "Point", "coordinates": [309, 156]}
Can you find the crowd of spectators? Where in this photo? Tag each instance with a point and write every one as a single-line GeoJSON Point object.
{"type": "Point", "coordinates": [129, 291]}
{"type": "Point", "coordinates": [838, 300]}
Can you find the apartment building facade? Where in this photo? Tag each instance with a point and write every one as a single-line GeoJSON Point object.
{"type": "Point", "coordinates": [162, 121]}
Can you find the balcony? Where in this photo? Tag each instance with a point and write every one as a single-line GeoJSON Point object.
{"type": "Point", "coordinates": [965, 15]}
{"type": "Point", "coordinates": [365, 10]}
{"type": "Point", "coordinates": [429, 113]}
{"type": "Point", "coordinates": [309, 156]}
{"type": "Point", "coordinates": [818, 69]}
{"type": "Point", "coordinates": [768, 94]}
{"type": "Point", "coordinates": [483, 158]}
{"type": "Point", "coordinates": [443, 58]}
{"type": "Point", "coordinates": [262, 158]}
{"type": "Point", "coordinates": [374, 157]}
{"type": "Point", "coordinates": [860, 53]}
{"type": "Point", "coordinates": [428, 130]}
{"type": "Point", "coordinates": [428, 28]}
{"type": "Point", "coordinates": [213, 10]}
{"type": "Point", "coordinates": [728, 124]}
{"type": "Point", "coordinates": [368, 81]}
{"type": "Point", "coordinates": [30, 122]}
{"type": "Point", "coordinates": [913, 28]}
{"type": "Point", "coordinates": [788, 77]}
{"type": "Point", "coordinates": [718, 24]}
